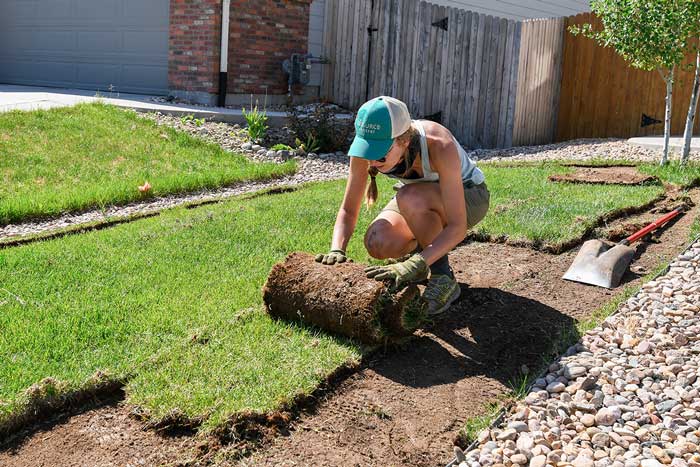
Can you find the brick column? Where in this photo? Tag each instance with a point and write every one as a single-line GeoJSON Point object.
{"type": "Point", "coordinates": [195, 38]}
{"type": "Point", "coordinates": [263, 34]}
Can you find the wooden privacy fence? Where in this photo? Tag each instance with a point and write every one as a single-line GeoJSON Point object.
{"type": "Point", "coordinates": [601, 96]}
{"type": "Point", "coordinates": [493, 82]}
{"type": "Point", "coordinates": [451, 65]}
{"type": "Point", "coordinates": [539, 78]}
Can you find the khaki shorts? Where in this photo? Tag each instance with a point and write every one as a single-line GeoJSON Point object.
{"type": "Point", "coordinates": [476, 197]}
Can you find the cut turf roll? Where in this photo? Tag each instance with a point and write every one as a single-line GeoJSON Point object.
{"type": "Point", "coordinates": [340, 299]}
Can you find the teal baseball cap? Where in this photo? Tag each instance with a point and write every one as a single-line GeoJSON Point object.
{"type": "Point", "coordinates": [378, 122]}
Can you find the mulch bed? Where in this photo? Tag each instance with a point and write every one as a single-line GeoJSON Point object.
{"type": "Point", "coordinates": [406, 404]}
{"type": "Point", "coordinates": [615, 175]}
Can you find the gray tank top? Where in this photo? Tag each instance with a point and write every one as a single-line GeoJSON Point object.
{"type": "Point", "coordinates": [470, 172]}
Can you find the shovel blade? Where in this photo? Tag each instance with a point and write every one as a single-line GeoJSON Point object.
{"type": "Point", "coordinates": [598, 264]}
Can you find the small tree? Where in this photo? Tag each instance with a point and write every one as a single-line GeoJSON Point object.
{"type": "Point", "coordinates": [690, 119]}
{"type": "Point", "coordinates": [650, 35]}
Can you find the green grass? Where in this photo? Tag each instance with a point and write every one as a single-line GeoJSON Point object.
{"type": "Point", "coordinates": [695, 229]}
{"type": "Point", "coordinates": [129, 301]}
{"type": "Point", "coordinates": [94, 155]}
{"type": "Point", "coordinates": [173, 305]}
{"type": "Point", "coordinates": [525, 206]}
{"type": "Point", "coordinates": [475, 425]}
{"type": "Point", "coordinates": [674, 173]}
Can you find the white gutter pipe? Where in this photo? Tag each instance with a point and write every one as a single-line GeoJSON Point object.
{"type": "Point", "coordinates": [223, 65]}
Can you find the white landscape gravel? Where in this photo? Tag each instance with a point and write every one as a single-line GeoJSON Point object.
{"type": "Point", "coordinates": [627, 395]}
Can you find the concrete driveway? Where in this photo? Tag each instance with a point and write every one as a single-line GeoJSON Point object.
{"type": "Point", "coordinates": [14, 97]}
{"type": "Point", "coordinates": [657, 142]}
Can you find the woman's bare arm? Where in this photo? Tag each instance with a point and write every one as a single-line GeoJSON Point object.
{"type": "Point", "coordinates": [349, 211]}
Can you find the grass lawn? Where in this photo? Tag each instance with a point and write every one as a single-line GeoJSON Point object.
{"type": "Point", "coordinates": [94, 155]}
{"type": "Point", "coordinates": [695, 229]}
{"type": "Point", "coordinates": [673, 172]}
{"type": "Point", "coordinates": [173, 303]}
{"type": "Point", "coordinates": [526, 206]}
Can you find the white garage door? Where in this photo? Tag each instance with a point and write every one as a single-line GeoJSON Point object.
{"type": "Point", "coordinates": [86, 44]}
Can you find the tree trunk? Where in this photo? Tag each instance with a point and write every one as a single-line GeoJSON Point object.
{"type": "Point", "coordinates": [690, 119]}
{"type": "Point", "coordinates": [667, 118]}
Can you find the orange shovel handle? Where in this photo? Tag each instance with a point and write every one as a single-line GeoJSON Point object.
{"type": "Point", "coordinates": [651, 227]}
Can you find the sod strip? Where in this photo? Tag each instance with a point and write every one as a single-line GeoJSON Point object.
{"type": "Point", "coordinates": [675, 173]}
{"type": "Point", "coordinates": [525, 206]}
{"type": "Point", "coordinates": [174, 302]}
{"type": "Point", "coordinates": [95, 155]}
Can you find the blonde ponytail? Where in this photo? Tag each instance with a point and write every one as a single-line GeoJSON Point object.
{"type": "Point", "coordinates": [372, 191]}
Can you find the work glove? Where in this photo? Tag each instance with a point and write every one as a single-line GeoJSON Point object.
{"type": "Point", "coordinates": [414, 269]}
{"type": "Point", "coordinates": [332, 257]}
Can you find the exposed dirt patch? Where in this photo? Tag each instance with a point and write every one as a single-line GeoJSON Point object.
{"type": "Point", "coordinates": [601, 164]}
{"type": "Point", "coordinates": [406, 405]}
{"type": "Point", "coordinates": [615, 175]}
{"type": "Point", "coordinates": [103, 436]}
{"type": "Point", "coordinates": [625, 226]}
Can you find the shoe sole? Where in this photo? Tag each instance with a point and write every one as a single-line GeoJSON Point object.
{"type": "Point", "coordinates": [455, 295]}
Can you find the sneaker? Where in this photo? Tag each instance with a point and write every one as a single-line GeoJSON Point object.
{"type": "Point", "coordinates": [441, 292]}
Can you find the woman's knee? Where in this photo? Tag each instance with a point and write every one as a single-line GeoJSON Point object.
{"type": "Point", "coordinates": [385, 239]}
{"type": "Point", "coordinates": [411, 200]}
{"type": "Point", "coordinates": [376, 239]}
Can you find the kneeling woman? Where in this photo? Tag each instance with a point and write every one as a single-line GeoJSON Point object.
{"type": "Point", "coordinates": [440, 195]}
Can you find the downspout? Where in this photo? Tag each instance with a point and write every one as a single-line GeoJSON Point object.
{"type": "Point", "coordinates": [223, 66]}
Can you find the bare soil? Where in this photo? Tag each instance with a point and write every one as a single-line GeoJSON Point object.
{"type": "Point", "coordinates": [406, 404]}
{"type": "Point", "coordinates": [106, 435]}
{"type": "Point", "coordinates": [613, 175]}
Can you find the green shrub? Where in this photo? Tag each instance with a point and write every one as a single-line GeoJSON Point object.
{"type": "Point", "coordinates": [282, 147]}
{"type": "Point", "coordinates": [257, 122]}
{"type": "Point", "coordinates": [190, 118]}
{"type": "Point", "coordinates": [311, 144]}
{"type": "Point", "coordinates": [319, 131]}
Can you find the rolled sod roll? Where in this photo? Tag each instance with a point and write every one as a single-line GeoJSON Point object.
{"type": "Point", "coordinates": [340, 299]}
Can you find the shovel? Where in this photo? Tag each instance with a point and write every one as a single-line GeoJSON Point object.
{"type": "Point", "coordinates": [598, 264]}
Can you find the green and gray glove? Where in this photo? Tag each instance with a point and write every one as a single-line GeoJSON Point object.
{"type": "Point", "coordinates": [332, 257]}
{"type": "Point", "coordinates": [414, 269]}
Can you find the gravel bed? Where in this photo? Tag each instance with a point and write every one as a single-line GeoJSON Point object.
{"type": "Point", "coordinates": [627, 395]}
{"type": "Point", "coordinates": [580, 149]}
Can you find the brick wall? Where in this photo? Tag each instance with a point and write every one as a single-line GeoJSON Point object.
{"type": "Point", "coordinates": [195, 38]}
{"type": "Point", "coordinates": [263, 34]}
